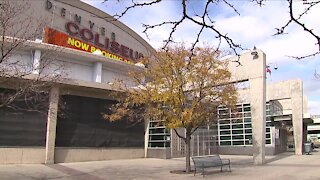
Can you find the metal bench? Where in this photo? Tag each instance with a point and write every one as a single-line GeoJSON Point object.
{"type": "Point", "coordinates": [202, 162]}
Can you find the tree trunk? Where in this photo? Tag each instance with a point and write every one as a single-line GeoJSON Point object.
{"type": "Point", "coordinates": [187, 140]}
{"type": "Point", "coordinates": [187, 143]}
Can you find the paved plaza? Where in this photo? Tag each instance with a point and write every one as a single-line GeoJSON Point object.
{"type": "Point", "coordinates": [283, 166]}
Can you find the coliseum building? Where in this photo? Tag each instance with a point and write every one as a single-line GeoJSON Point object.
{"type": "Point", "coordinates": [270, 118]}
{"type": "Point", "coordinates": [73, 31]}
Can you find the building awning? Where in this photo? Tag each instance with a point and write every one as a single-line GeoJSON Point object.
{"type": "Point", "coordinates": [308, 120]}
{"type": "Point", "coordinates": [282, 117]}
{"type": "Point", "coordinates": [314, 128]}
{"type": "Point", "coordinates": [288, 117]}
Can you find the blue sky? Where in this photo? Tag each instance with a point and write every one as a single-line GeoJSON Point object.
{"type": "Point", "coordinates": [254, 27]}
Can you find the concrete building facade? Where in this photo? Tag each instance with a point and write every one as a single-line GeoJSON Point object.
{"type": "Point", "coordinates": [280, 121]}
{"type": "Point", "coordinates": [269, 118]}
{"type": "Point", "coordinates": [71, 35]}
{"type": "Point", "coordinates": [72, 32]}
{"type": "Point", "coordinates": [314, 131]}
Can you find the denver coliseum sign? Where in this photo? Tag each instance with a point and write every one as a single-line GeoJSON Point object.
{"type": "Point", "coordinates": [85, 39]}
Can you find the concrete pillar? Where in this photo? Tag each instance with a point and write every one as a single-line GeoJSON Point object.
{"type": "Point", "coordinates": [146, 138]}
{"type": "Point", "coordinates": [258, 110]}
{"type": "Point", "coordinates": [52, 124]}
{"type": "Point", "coordinates": [297, 115]}
{"type": "Point", "coordinates": [36, 62]}
{"type": "Point", "coordinates": [97, 72]}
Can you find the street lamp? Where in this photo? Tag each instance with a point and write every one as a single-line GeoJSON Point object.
{"type": "Point", "coordinates": [269, 67]}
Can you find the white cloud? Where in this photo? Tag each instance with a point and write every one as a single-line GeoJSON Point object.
{"type": "Point", "coordinates": [294, 44]}
{"type": "Point", "coordinates": [314, 107]}
{"type": "Point", "coordinates": [312, 87]}
{"type": "Point", "coordinates": [255, 26]}
{"type": "Point", "coordinates": [243, 28]}
{"type": "Point", "coordinates": [134, 18]}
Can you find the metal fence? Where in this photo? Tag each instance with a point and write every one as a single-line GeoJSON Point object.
{"type": "Point", "coordinates": [203, 142]}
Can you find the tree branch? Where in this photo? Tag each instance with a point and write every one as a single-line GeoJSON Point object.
{"type": "Point", "coordinates": [205, 22]}
{"type": "Point", "coordinates": [298, 22]}
{"type": "Point", "coordinates": [117, 16]}
{"type": "Point", "coordinates": [175, 130]}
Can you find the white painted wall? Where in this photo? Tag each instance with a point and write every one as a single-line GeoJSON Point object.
{"type": "Point", "coordinates": [18, 62]}
{"type": "Point", "coordinates": [111, 75]}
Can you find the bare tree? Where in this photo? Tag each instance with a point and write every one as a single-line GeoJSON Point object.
{"type": "Point", "coordinates": [296, 19]}
{"type": "Point", "coordinates": [316, 74]}
{"type": "Point", "coordinates": [23, 84]}
{"type": "Point", "coordinates": [206, 21]}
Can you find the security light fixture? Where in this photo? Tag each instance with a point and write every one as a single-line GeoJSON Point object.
{"type": "Point", "coordinates": [254, 53]}
{"type": "Point", "coordinates": [275, 67]}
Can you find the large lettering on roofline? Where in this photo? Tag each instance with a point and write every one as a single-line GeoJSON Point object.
{"type": "Point", "coordinates": [88, 36]}
{"type": "Point", "coordinates": [84, 37]}
{"type": "Point", "coordinates": [55, 37]}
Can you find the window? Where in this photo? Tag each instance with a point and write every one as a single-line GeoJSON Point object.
{"type": "Point", "coordinates": [225, 143]}
{"type": "Point", "coordinates": [225, 132]}
{"type": "Point", "coordinates": [159, 136]}
{"type": "Point", "coordinates": [246, 119]}
{"type": "Point", "coordinates": [235, 128]}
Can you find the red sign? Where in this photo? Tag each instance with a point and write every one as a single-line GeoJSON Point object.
{"type": "Point", "coordinates": [111, 50]}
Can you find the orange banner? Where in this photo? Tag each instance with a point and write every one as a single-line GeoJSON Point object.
{"type": "Point", "coordinates": [61, 39]}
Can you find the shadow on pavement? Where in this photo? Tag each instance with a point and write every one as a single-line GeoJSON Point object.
{"type": "Point", "coordinates": [73, 172]}
{"type": "Point", "coordinates": [213, 172]}
{"type": "Point", "coordinates": [279, 156]}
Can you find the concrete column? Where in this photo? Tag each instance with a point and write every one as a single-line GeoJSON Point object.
{"type": "Point", "coordinates": [146, 138]}
{"type": "Point", "coordinates": [97, 72]}
{"type": "Point", "coordinates": [258, 110]}
{"type": "Point", "coordinates": [297, 115]}
{"type": "Point", "coordinates": [36, 62]}
{"type": "Point", "coordinates": [51, 124]}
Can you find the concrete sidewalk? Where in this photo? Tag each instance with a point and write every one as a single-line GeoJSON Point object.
{"type": "Point", "coordinates": [284, 166]}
